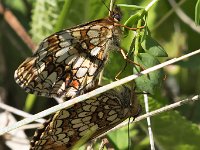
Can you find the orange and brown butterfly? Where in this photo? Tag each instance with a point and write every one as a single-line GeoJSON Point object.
{"type": "Point", "coordinates": [68, 63]}
{"type": "Point", "coordinates": [86, 120]}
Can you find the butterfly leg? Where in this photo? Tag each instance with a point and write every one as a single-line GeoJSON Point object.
{"type": "Point", "coordinates": [127, 60]}
{"type": "Point", "coordinates": [129, 28]}
{"type": "Point", "coordinates": [120, 72]}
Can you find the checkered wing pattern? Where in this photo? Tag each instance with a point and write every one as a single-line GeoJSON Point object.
{"type": "Point", "coordinates": [85, 120]}
{"type": "Point", "coordinates": [68, 63]}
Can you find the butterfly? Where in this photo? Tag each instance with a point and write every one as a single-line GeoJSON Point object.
{"type": "Point", "coordinates": [86, 120]}
{"type": "Point", "coordinates": [68, 63]}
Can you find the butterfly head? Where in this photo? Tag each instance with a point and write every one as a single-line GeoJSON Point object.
{"type": "Point", "coordinates": [116, 14]}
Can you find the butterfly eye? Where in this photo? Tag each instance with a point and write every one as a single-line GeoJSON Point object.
{"type": "Point", "coordinates": [117, 17]}
{"type": "Point", "coordinates": [116, 14]}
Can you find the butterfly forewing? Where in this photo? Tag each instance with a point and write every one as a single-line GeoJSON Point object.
{"type": "Point", "coordinates": [68, 63]}
{"type": "Point", "coordinates": [85, 120]}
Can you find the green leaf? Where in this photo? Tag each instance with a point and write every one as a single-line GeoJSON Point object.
{"type": "Point", "coordinates": [153, 47]}
{"type": "Point", "coordinates": [44, 18]}
{"type": "Point", "coordinates": [96, 7]}
{"type": "Point", "coordinates": [132, 7]}
{"type": "Point", "coordinates": [173, 131]}
{"type": "Point", "coordinates": [63, 16]}
{"type": "Point", "coordinates": [30, 100]}
{"type": "Point", "coordinates": [120, 135]}
{"type": "Point", "coordinates": [132, 21]}
{"type": "Point", "coordinates": [197, 13]}
{"type": "Point", "coordinates": [152, 81]}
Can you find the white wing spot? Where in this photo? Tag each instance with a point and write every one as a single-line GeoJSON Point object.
{"type": "Point", "coordinates": [95, 51]}
{"type": "Point", "coordinates": [81, 72]}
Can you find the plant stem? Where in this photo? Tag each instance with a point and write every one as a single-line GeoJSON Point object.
{"type": "Point", "coordinates": [150, 5]}
{"type": "Point", "coordinates": [63, 15]}
{"type": "Point", "coordinates": [137, 37]}
{"type": "Point", "coordinates": [93, 93]}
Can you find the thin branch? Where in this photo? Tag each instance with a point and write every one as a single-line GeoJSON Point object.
{"type": "Point", "coordinates": [149, 122]}
{"type": "Point", "coordinates": [14, 42]}
{"type": "Point", "coordinates": [187, 20]}
{"type": "Point", "coordinates": [112, 2]}
{"type": "Point", "coordinates": [169, 13]}
{"type": "Point", "coordinates": [150, 4]}
{"type": "Point", "coordinates": [16, 139]}
{"type": "Point", "coordinates": [18, 112]}
{"type": "Point", "coordinates": [30, 126]}
{"type": "Point", "coordinates": [17, 26]}
{"type": "Point", "coordinates": [92, 93]}
{"type": "Point", "coordinates": [155, 112]}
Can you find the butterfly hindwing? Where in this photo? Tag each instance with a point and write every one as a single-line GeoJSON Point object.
{"type": "Point", "coordinates": [86, 120]}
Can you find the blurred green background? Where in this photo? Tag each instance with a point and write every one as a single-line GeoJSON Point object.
{"type": "Point", "coordinates": [173, 130]}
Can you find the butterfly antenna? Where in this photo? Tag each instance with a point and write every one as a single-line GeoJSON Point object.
{"type": "Point", "coordinates": [103, 1]}
{"type": "Point", "coordinates": [112, 2]}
